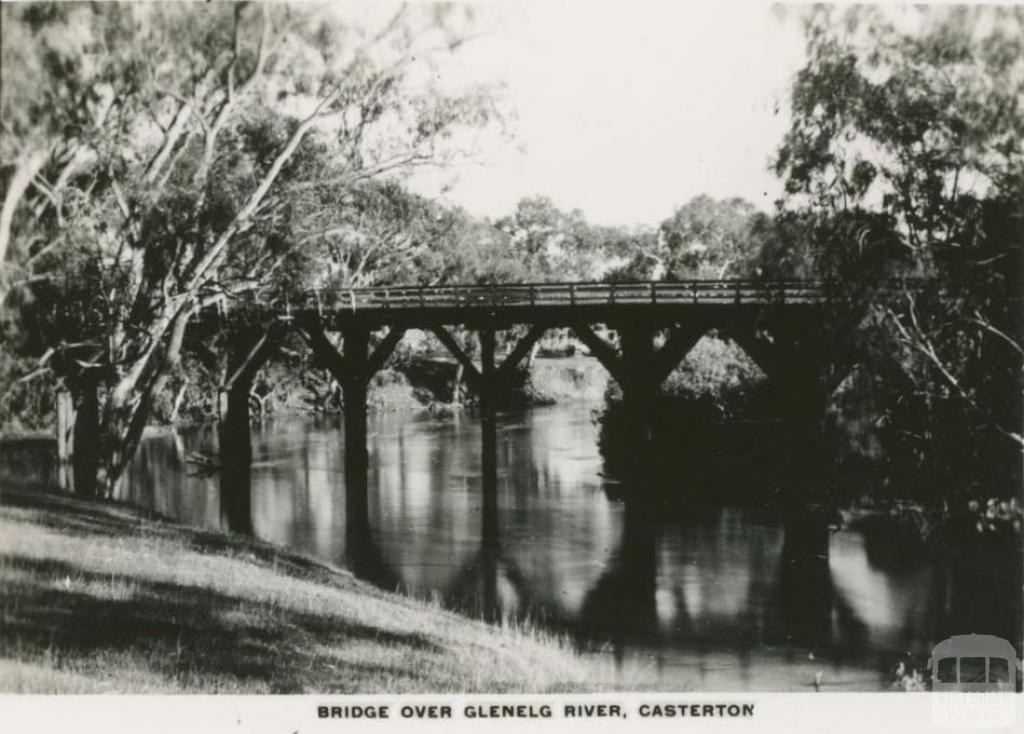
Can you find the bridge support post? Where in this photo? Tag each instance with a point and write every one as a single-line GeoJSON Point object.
{"type": "Point", "coordinates": [353, 372]}
{"type": "Point", "coordinates": [354, 385]}
{"type": "Point", "coordinates": [489, 431]}
{"type": "Point", "coordinates": [488, 381]}
{"type": "Point", "coordinates": [793, 361]}
{"type": "Point", "coordinates": [248, 352]}
{"type": "Point", "coordinates": [638, 387]}
{"type": "Point", "coordinates": [801, 394]}
{"type": "Point", "coordinates": [639, 391]}
{"type": "Point", "coordinates": [640, 369]}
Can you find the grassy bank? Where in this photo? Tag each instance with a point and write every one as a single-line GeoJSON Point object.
{"type": "Point", "coordinates": [98, 597]}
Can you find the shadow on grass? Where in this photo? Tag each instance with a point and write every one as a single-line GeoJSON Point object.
{"type": "Point", "coordinates": [183, 632]}
{"type": "Point", "coordinates": [112, 519]}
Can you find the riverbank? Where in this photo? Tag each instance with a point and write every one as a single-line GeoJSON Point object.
{"type": "Point", "coordinates": [101, 597]}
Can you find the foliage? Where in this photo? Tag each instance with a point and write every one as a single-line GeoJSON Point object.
{"type": "Point", "coordinates": [904, 159]}
{"type": "Point", "coordinates": [26, 393]}
{"type": "Point", "coordinates": [718, 374]}
{"type": "Point", "coordinates": [633, 253]}
{"type": "Point", "coordinates": [369, 234]}
{"type": "Point", "coordinates": [178, 147]}
{"type": "Point", "coordinates": [706, 238]}
{"type": "Point", "coordinates": [556, 245]}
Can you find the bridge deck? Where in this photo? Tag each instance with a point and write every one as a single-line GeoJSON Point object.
{"type": "Point", "coordinates": [381, 301]}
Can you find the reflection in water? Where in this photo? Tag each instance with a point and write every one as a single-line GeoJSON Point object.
{"type": "Point", "coordinates": [622, 605]}
{"type": "Point", "coordinates": [713, 598]}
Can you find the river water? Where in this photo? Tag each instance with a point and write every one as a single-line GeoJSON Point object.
{"type": "Point", "coordinates": [700, 597]}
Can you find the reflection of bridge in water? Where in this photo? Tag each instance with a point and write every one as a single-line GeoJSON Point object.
{"type": "Point", "coordinates": [727, 595]}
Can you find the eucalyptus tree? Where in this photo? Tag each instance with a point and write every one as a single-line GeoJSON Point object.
{"type": "Point", "coordinates": [553, 244]}
{"type": "Point", "coordinates": [177, 139]}
{"type": "Point", "coordinates": [708, 238]}
{"type": "Point", "coordinates": [374, 233]}
{"type": "Point", "coordinates": [907, 146]}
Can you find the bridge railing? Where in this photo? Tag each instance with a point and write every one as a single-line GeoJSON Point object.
{"type": "Point", "coordinates": [560, 294]}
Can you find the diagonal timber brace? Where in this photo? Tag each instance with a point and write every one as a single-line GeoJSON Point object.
{"type": "Point", "coordinates": [521, 349]}
{"type": "Point", "coordinates": [681, 339]}
{"type": "Point", "coordinates": [646, 370]}
{"type": "Point", "coordinates": [471, 373]}
{"type": "Point", "coordinates": [384, 350]}
{"type": "Point", "coordinates": [605, 353]}
{"type": "Point", "coordinates": [243, 369]}
{"type": "Point", "coordinates": [794, 365]}
{"type": "Point", "coordinates": [352, 362]}
{"type": "Point", "coordinates": [503, 373]}
{"type": "Point", "coordinates": [325, 350]}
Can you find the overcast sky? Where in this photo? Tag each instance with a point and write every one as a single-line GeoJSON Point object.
{"type": "Point", "coordinates": [628, 109]}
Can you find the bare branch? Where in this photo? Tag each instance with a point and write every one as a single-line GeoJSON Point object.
{"type": "Point", "coordinates": [987, 326]}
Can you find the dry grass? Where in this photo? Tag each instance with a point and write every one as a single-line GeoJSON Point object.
{"type": "Point", "coordinates": [96, 597]}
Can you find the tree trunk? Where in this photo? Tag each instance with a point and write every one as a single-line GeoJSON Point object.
{"type": "Point", "coordinates": [87, 439]}
{"type": "Point", "coordinates": [128, 406]}
{"type": "Point", "coordinates": [533, 355]}
{"type": "Point", "coordinates": [65, 440]}
{"type": "Point", "coordinates": [236, 458]}
{"type": "Point", "coordinates": [457, 384]}
{"type": "Point", "coordinates": [178, 398]}
{"type": "Point", "coordinates": [27, 167]}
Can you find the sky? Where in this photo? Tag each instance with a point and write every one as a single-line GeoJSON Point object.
{"type": "Point", "coordinates": [625, 110]}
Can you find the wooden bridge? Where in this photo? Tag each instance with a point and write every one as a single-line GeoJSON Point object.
{"type": "Point", "coordinates": [651, 326]}
{"type": "Point", "coordinates": [530, 301]}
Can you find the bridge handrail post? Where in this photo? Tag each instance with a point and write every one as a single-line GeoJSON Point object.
{"type": "Point", "coordinates": [654, 292]}
{"type": "Point", "coordinates": [533, 295]}
{"type": "Point", "coordinates": [572, 294]}
{"type": "Point", "coordinates": [423, 297]}
{"type": "Point", "coordinates": [611, 292]}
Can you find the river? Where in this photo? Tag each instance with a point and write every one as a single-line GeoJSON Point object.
{"type": "Point", "coordinates": [700, 596]}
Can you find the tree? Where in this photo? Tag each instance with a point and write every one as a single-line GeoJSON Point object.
{"type": "Point", "coordinates": [199, 127]}
{"type": "Point", "coordinates": [708, 238]}
{"type": "Point", "coordinates": [477, 251]}
{"type": "Point", "coordinates": [906, 138]}
{"type": "Point", "coordinates": [374, 233]}
{"type": "Point", "coordinates": [631, 253]}
{"type": "Point", "coordinates": [553, 244]}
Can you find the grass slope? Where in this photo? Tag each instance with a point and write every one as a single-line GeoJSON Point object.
{"type": "Point", "coordinates": [98, 597]}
